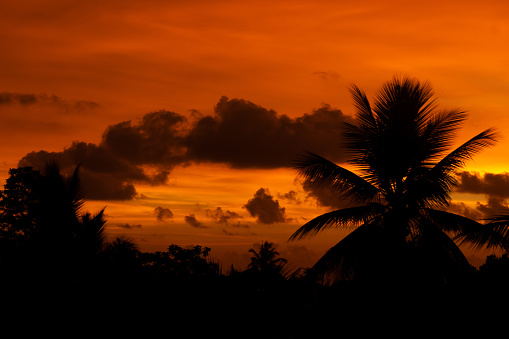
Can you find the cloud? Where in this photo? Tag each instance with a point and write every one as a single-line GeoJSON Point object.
{"type": "Point", "coordinates": [324, 196]}
{"type": "Point", "coordinates": [245, 135]}
{"type": "Point", "coordinates": [29, 99]}
{"type": "Point", "coordinates": [495, 186]}
{"type": "Point", "coordinates": [228, 218]}
{"type": "Point", "coordinates": [490, 183]}
{"type": "Point", "coordinates": [230, 233]}
{"type": "Point", "coordinates": [125, 225]}
{"type": "Point", "coordinates": [240, 134]}
{"type": "Point", "coordinates": [494, 206]}
{"type": "Point", "coordinates": [327, 75]}
{"type": "Point", "coordinates": [104, 176]}
{"type": "Point", "coordinates": [191, 220]}
{"type": "Point", "coordinates": [157, 139]}
{"type": "Point", "coordinates": [162, 213]}
{"type": "Point", "coordinates": [265, 208]}
{"type": "Point", "coordinates": [222, 217]}
{"type": "Point", "coordinates": [290, 196]}
{"type": "Point", "coordinates": [128, 153]}
{"type": "Point", "coordinates": [462, 209]}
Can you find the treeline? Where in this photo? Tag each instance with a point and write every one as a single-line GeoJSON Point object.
{"type": "Point", "coordinates": [53, 253]}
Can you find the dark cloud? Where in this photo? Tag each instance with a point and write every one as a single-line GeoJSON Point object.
{"type": "Point", "coordinates": [227, 218]}
{"type": "Point", "coordinates": [17, 98]}
{"type": "Point", "coordinates": [324, 196]}
{"type": "Point", "coordinates": [265, 208]}
{"type": "Point", "coordinates": [29, 99]}
{"type": "Point", "coordinates": [240, 134]}
{"type": "Point", "coordinates": [191, 220]}
{"type": "Point", "coordinates": [155, 140]}
{"type": "Point", "coordinates": [462, 209]}
{"type": "Point", "coordinates": [162, 213]}
{"type": "Point", "coordinates": [236, 233]}
{"type": "Point", "coordinates": [222, 217]}
{"type": "Point", "coordinates": [494, 186]}
{"type": "Point", "coordinates": [104, 175]}
{"type": "Point", "coordinates": [144, 152]}
{"type": "Point", "coordinates": [327, 75]}
{"type": "Point", "coordinates": [490, 183]}
{"type": "Point", "coordinates": [494, 206]}
{"type": "Point", "coordinates": [125, 225]}
{"type": "Point", "coordinates": [291, 196]}
{"type": "Point", "coordinates": [243, 134]}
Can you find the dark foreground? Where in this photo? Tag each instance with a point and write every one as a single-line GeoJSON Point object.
{"type": "Point", "coordinates": [245, 306]}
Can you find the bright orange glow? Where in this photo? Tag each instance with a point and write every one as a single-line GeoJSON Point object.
{"type": "Point", "coordinates": [118, 60]}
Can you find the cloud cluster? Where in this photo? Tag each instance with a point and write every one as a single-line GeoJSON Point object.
{"type": "Point", "coordinates": [491, 184]}
{"type": "Point", "coordinates": [265, 208]}
{"type": "Point", "coordinates": [291, 196]}
{"type": "Point", "coordinates": [162, 213]}
{"type": "Point", "coordinates": [243, 134]}
{"type": "Point", "coordinates": [191, 220]}
{"type": "Point", "coordinates": [222, 217]}
{"type": "Point", "coordinates": [240, 134]}
{"type": "Point", "coordinates": [125, 225]}
{"type": "Point", "coordinates": [495, 186]}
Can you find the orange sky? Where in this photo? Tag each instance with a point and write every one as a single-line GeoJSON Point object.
{"type": "Point", "coordinates": [113, 61]}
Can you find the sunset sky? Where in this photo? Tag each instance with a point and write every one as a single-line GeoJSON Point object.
{"type": "Point", "coordinates": [186, 114]}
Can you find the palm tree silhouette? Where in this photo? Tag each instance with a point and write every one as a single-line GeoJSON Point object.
{"type": "Point", "coordinates": [266, 259]}
{"type": "Point", "coordinates": [65, 241]}
{"type": "Point", "coordinates": [399, 147]}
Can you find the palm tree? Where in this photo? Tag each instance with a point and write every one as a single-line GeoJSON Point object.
{"type": "Point", "coordinates": [266, 260]}
{"type": "Point", "coordinates": [65, 239]}
{"type": "Point", "coordinates": [399, 147]}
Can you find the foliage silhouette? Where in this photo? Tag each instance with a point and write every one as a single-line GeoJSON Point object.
{"type": "Point", "coordinates": [44, 230]}
{"type": "Point", "coordinates": [266, 259]}
{"type": "Point", "coordinates": [495, 233]}
{"type": "Point", "coordinates": [180, 263]}
{"type": "Point", "coordinates": [399, 147]}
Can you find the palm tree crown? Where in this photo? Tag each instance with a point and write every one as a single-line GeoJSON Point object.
{"type": "Point", "coordinates": [399, 148]}
{"type": "Point", "coordinates": [266, 258]}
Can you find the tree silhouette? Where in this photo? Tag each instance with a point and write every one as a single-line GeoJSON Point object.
{"type": "Point", "coordinates": [42, 220]}
{"type": "Point", "coordinates": [18, 205]}
{"type": "Point", "coordinates": [266, 260]}
{"type": "Point", "coordinates": [399, 147]}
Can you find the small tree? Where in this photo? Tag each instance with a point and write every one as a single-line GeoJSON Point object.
{"type": "Point", "coordinates": [266, 260]}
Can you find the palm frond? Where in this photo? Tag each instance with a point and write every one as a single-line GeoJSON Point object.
{"type": "Point", "coordinates": [323, 173]}
{"type": "Point", "coordinates": [404, 99]}
{"type": "Point", "coordinates": [439, 181]}
{"type": "Point", "coordinates": [75, 192]}
{"type": "Point", "coordinates": [364, 113]}
{"type": "Point", "coordinates": [92, 232]}
{"type": "Point", "coordinates": [439, 133]}
{"type": "Point", "coordinates": [457, 158]}
{"type": "Point", "coordinates": [345, 218]}
{"type": "Point", "coordinates": [343, 260]}
{"type": "Point", "coordinates": [494, 234]}
{"type": "Point", "coordinates": [451, 222]}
